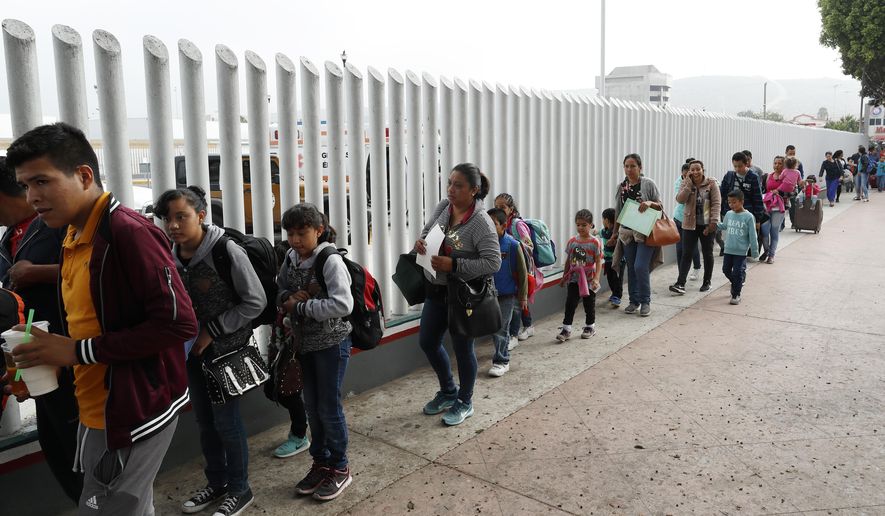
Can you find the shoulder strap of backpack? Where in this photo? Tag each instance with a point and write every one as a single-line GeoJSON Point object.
{"type": "Point", "coordinates": [320, 262]}
{"type": "Point", "coordinates": [221, 259]}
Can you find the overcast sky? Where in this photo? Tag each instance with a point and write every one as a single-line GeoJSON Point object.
{"type": "Point", "coordinates": [552, 44]}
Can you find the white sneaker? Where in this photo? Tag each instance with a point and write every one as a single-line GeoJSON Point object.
{"type": "Point", "coordinates": [525, 333]}
{"type": "Point", "coordinates": [693, 275]}
{"type": "Point", "coordinates": [498, 370]}
{"type": "Point", "coordinates": [736, 300]}
{"type": "Point", "coordinates": [514, 342]}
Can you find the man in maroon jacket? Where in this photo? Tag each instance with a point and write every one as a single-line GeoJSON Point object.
{"type": "Point", "coordinates": [125, 314]}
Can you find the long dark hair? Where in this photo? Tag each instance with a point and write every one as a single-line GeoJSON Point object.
{"type": "Point", "coordinates": [194, 195]}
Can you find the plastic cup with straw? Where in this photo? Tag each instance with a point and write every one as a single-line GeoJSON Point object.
{"type": "Point", "coordinates": [18, 371]}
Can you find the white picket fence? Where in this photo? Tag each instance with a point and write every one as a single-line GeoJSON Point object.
{"type": "Point", "coordinates": [554, 152]}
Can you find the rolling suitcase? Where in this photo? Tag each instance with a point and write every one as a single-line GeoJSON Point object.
{"type": "Point", "coordinates": [808, 219]}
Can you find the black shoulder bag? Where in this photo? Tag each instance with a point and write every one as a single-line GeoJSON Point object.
{"type": "Point", "coordinates": [473, 307]}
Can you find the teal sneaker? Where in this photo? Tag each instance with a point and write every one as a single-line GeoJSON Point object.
{"type": "Point", "coordinates": [440, 403]}
{"type": "Point", "coordinates": [292, 446]}
{"type": "Point", "coordinates": [458, 413]}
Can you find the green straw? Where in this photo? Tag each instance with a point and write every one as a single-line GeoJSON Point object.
{"type": "Point", "coordinates": [18, 372]}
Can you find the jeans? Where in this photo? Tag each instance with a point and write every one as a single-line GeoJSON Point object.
{"type": "Point", "coordinates": [502, 337]}
{"type": "Point", "coordinates": [800, 199]}
{"type": "Point", "coordinates": [520, 319]}
{"type": "Point", "coordinates": [735, 269]}
{"type": "Point", "coordinates": [571, 304]}
{"type": "Point", "coordinates": [222, 436]}
{"type": "Point", "coordinates": [880, 183]}
{"type": "Point", "coordinates": [323, 372]}
{"type": "Point", "coordinates": [691, 246]}
{"type": "Point", "coordinates": [832, 189]}
{"type": "Point", "coordinates": [639, 258]}
{"type": "Point", "coordinates": [862, 183]}
{"type": "Point", "coordinates": [696, 258]}
{"type": "Point", "coordinates": [771, 230]}
{"type": "Point", "coordinates": [434, 324]}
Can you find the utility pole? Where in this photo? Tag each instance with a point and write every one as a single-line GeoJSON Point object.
{"type": "Point", "coordinates": [860, 121]}
{"type": "Point", "coordinates": [765, 101]}
{"type": "Point", "coordinates": [602, 53]}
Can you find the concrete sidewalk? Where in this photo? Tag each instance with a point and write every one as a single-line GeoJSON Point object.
{"type": "Point", "coordinates": [773, 406]}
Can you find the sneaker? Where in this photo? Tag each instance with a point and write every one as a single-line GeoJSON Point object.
{"type": "Point", "coordinates": [769, 260]}
{"type": "Point", "coordinates": [588, 332]}
{"type": "Point", "coordinates": [235, 505]}
{"type": "Point", "coordinates": [311, 482]}
{"type": "Point", "coordinates": [526, 332]}
{"type": "Point", "coordinates": [677, 289]}
{"type": "Point", "coordinates": [831, 205]}
{"type": "Point", "coordinates": [334, 484]}
{"type": "Point", "coordinates": [631, 309]}
{"type": "Point", "coordinates": [514, 341]}
{"type": "Point", "coordinates": [458, 413]}
{"type": "Point", "coordinates": [440, 403]}
{"type": "Point", "coordinates": [292, 446]}
{"type": "Point", "coordinates": [763, 256]}
{"type": "Point", "coordinates": [645, 310]}
{"type": "Point", "coordinates": [693, 275]}
{"type": "Point", "coordinates": [202, 499]}
{"type": "Point", "coordinates": [736, 300]}
{"type": "Point", "coordinates": [498, 370]}
{"type": "Point", "coordinates": [705, 287]}
{"type": "Point", "coordinates": [615, 301]}
{"type": "Point", "coordinates": [564, 335]}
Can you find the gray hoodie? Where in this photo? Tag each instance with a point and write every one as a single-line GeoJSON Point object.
{"type": "Point", "coordinates": [474, 244]}
{"type": "Point", "coordinates": [246, 299]}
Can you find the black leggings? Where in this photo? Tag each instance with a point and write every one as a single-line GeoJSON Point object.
{"type": "Point", "coordinates": [571, 304]}
{"type": "Point", "coordinates": [689, 244]}
{"type": "Point", "coordinates": [297, 414]}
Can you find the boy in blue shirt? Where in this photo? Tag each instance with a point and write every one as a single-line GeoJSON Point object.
{"type": "Point", "coordinates": [739, 228]}
{"type": "Point", "coordinates": [511, 282]}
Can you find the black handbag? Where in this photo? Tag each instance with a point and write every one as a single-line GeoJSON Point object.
{"type": "Point", "coordinates": [473, 307]}
{"type": "Point", "coordinates": [234, 373]}
{"type": "Point", "coordinates": [409, 277]}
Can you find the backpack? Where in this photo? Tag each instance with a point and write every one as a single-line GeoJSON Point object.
{"type": "Point", "coordinates": [264, 261]}
{"type": "Point", "coordinates": [367, 316]}
{"type": "Point", "coordinates": [543, 248]}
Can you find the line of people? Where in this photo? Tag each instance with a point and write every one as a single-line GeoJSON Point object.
{"type": "Point", "coordinates": [151, 321]}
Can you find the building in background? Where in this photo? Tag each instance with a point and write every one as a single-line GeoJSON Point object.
{"type": "Point", "coordinates": [808, 121]}
{"type": "Point", "coordinates": [875, 123]}
{"type": "Point", "coordinates": [638, 83]}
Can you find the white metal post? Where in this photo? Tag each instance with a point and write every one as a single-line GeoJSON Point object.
{"type": "Point", "coordinates": [22, 76]}
{"type": "Point", "coordinates": [414, 177]}
{"type": "Point", "coordinates": [335, 149]}
{"type": "Point", "coordinates": [70, 77]}
{"type": "Point", "coordinates": [159, 107]}
{"type": "Point", "coordinates": [523, 172]}
{"type": "Point", "coordinates": [536, 170]}
{"type": "Point", "coordinates": [229, 138]}
{"type": "Point", "coordinates": [112, 110]}
{"type": "Point", "coordinates": [474, 128]}
{"type": "Point", "coordinates": [500, 137]}
{"type": "Point", "coordinates": [259, 146]}
{"type": "Point", "coordinates": [459, 110]}
{"type": "Point", "coordinates": [446, 127]}
{"type": "Point", "coordinates": [196, 153]}
{"type": "Point", "coordinates": [432, 156]}
{"type": "Point", "coordinates": [356, 164]}
{"type": "Point", "coordinates": [310, 115]}
{"type": "Point", "coordinates": [378, 168]}
{"type": "Point", "coordinates": [287, 125]}
{"type": "Point", "coordinates": [487, 158]}
{"type": "Point", "coordinates": [513, 155]}
{"type": "Point", "coordinates": [397, 127]}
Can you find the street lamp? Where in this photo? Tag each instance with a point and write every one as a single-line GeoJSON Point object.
{"type": "Point", "coordinates": [344, 59]}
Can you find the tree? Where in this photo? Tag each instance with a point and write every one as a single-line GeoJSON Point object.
{"type": "Point", "coordinates": [847, 123]}
{"type": "Point", "coordinates": [823, 114]}
{"type": "Point", "coordinates": [773, 116]}
{"type": "Point", "coordinates": [856, 28]}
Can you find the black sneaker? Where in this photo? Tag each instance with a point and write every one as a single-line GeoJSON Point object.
{"type": "Point", "coordinates": [677, 289]}
{"type": "Point", "coordinates": [235, 505]}
{"type": "Point", "coordinates": [334, 484]}
{"type": "Point", "coordinates": [312, 481]}
{"type": "Point", "coordinates": [202, 499]}
{"type": "Point", "coordinates": [705, 287]}
{"type": "Point", "coordinates": [763, 257]}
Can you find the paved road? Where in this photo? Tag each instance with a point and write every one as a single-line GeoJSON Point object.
{"type": "Point", "coordinates": [770, 407]}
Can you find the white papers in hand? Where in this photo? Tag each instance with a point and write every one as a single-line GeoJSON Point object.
{"type": "Point", "coordinates": [434, 240]}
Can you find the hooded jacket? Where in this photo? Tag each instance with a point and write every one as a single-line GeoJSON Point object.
{"type": "Point", "coordinates": [751, 186]}
{"type": "Point", "coordinates": [688, 195]}
{"type": "Point", "coordinates": [145, 316]}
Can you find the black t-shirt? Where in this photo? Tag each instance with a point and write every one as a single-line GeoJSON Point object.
{"type": "Point", "coordinates": [832, 169]}
{"type": "Point", "coordinates": [629, 191]}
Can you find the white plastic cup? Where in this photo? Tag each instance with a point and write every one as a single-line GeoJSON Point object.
{"type": "Point", "coordinates": [40, 379]}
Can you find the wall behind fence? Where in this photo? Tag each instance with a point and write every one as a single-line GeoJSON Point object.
{"type": "Point", "coordinates": [554, 152]}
